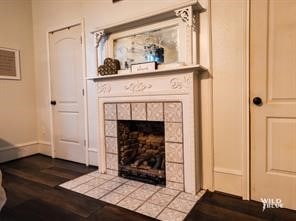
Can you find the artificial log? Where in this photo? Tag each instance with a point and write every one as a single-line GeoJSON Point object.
{"type": "Point", "coordinates": [126, 160]}
{"type": "Point", "coordinates": [158, 162]}
{"type": "Point", "coordinates": [162, 167]}
{"type": "Point", "coordinates": [141, 150]}
{"type": "Point", "coordinates": [127, 152]}
{"type": "Point", "coordinates": [124, 148]}
{"type": "Point", "coordinates": [144, 167]}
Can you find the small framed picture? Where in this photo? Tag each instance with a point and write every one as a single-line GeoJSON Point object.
{"type": "Point", "coordinates": [144, 67]}
{"type": "Point", "coordinates": [10, 64]}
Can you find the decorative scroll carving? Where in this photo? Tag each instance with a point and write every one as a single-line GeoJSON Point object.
{"type": "Point", "coordinates": [104, 88]}
{"type": "Point", "coordinates": [98, 36]}
{"type": "Point", "coordinates": [187, 16]}
{"type": "Point", "coordinates": [137, 86]}
{"type": "Point", "coordinates": [181, 83]}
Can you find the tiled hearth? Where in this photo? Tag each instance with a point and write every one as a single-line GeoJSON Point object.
{"type": "Point", "coordinates": [154, 201]}
{"type": "Point", "coordinates": [168, 112]}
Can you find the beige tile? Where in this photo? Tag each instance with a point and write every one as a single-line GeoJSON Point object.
{"type": "Point", "coordinates": [124, 111]}
{"type": "Point", "coordinates": [142, 194]}
{"type": "Point", "coordinates": [112, 172]}
{"type": "Point", "coordinates": [175, 186]}
{"type": "Point", "coordinates": [161, 199]}
{"type": "Point", "coordinates": [135, 183]}
{"type": "Point", "coordinates": [94, 174]}
{"type": "Point", "coordinates": [112, 161]}
{"type": "Point", "coordinates": [201, 193]}
{"type": "Point", "coordinates": [170, 215]}
{"type": "Point", "coordinates": [150, 209]}
{"type": "Point", "coordinates": [138, 111]}
{"type": "Point", "coordinates": [111, 128]}
{"type": "Point", "coordinates": [155, 111]}
{"type": "Point", "coordinates": [188, 196]}
{"type": "Point", "coordinates": [106, 176]}
{"type": "Point", "coordinates": [130, 203]}
{"type": "Point", "coordinates": [125, 189]}
{"type": "Point", "coordinates": [174, 172]}
{"type": "Point", "coordinates": [168, 191]}
{"type": "Point", "coordinates": [96, 181]}
{"type": "Point", "coordinates": [173, 112]}
{"type": "Point", "coordinates": [174, 132]}
{"type": "Point", "coordinates": [119, 180]}
{"type": "Point", "coordinates": [150, 187]}
{"type": "Point", "coordinates": [110, 185]}
{"type": "Point", "coordinates": [83, 179]}
{"type": "Point", "coordinates": [83, 188]}
{"type": "Point", "coordinates": [174, 152]}
{"type": "Point", "coordinates": [181, 205]}
{"type": "Point", "coordinates": [97, 192]}
{"type": "Point", "coordinates": [69, 185]}
{"type": "Point", "coordinates": [110, 111]}
{"type": "Point", "coordinates": [111, 145]}
{"type": "Point", "coordinates": [76, 182]}
{"type": "Point", "coordinates": [112, 198]}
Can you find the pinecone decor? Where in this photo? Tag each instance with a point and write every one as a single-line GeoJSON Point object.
{"type": "Point", "coordinates": [110, 67]}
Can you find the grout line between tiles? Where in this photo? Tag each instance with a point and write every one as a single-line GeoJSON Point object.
{"type": "Point", "coordinates": [169, 204]}
{"type": "Point", "coordinates": [130, 196]}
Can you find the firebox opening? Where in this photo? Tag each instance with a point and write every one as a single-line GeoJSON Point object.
{"type": "Point", "coordinates": [141, 149]}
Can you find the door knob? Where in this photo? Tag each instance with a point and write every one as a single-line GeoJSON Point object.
{"type": "Point", "coordinates": [53, 102]}
{"type": "Point", "coordinates": [257, 101]}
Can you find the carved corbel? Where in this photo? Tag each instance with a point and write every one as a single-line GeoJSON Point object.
{"type": "Point", "coordinates": [98, 37]}
{"type": "Point", "coordinates": [187, 16]}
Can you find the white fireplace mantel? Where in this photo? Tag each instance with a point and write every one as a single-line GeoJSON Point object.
{"type": "Point", "coordinates": [178, 85]}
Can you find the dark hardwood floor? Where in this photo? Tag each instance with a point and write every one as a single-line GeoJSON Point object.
{"type": "Point", "coordinates": [33, 194]}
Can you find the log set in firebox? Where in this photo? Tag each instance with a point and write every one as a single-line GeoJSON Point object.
{"type": "Point", "coordinates": [142, 151]}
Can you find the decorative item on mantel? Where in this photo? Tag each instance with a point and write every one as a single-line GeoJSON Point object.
{"type": "Point", "coordinates": [110, 67]}
{"type": "Point", "coordinates": [143, 67]}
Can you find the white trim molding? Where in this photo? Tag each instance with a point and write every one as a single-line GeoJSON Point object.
{"type": "Point", "coordinates": [45, 148]}
{"type": "Point", "coordinates": [228, 180]}
{"type": "Point", "coordinates": [228, 171]}
{"type": "Point", "coordinates": [17, 151]}
{"type": "Point", "coordinates": [206, 102]}
{"type": "Point", "coordinates": [245, 104]}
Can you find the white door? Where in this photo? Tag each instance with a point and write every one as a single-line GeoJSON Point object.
{"type": "Point", "coordinates": [273, 79]}
{"type": "Point", "coordinates": [67, 93]}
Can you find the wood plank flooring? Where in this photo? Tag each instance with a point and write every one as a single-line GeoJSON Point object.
{"type": "Point", "coordinates": [33, 194]}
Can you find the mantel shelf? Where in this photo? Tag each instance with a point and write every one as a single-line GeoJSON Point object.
{"type": "Point", "coordinates": [198, 68]}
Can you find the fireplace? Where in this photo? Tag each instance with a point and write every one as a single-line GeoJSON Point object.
{"type": "Point", "coordinates": [144, 141]}
{"type": "Point", "coordinates": [141, 150]}
{"type": "Point", "coordinates": [165, 100]}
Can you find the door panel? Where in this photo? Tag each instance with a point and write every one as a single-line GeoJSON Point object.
{"type": "Point", "coordinates": [281, 146]}
{"type": "Point", "coordinates": [281, 50]}
{"type": "Point", "coordinates": [66, 86]}
{"type": "Point", "coordinates": [273, 78]}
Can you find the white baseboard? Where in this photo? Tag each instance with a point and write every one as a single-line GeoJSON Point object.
{"type": "Point", "coordinates": [45, 148]}
{"type": "Point", "coordinates": [92, 157]}
{"type": "Point", "coordinates": [18, 151]}
{"type": "Point", "coordinates": [228, 181]}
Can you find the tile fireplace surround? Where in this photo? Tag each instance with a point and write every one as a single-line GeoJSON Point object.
{"type": "Point", "coordinates": [170, 113]}
{"type": "Point", "coordinates": [169, 96]}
